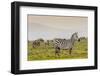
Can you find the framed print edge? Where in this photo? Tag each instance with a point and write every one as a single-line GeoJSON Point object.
{"type": "Point", "coordinates": [15, 37]}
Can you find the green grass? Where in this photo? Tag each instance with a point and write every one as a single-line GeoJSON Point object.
{"type": "Point", "coordinates": [43, 52]}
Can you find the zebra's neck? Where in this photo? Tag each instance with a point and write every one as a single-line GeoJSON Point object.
{"type": "Point", "coordinates": [72, 40]}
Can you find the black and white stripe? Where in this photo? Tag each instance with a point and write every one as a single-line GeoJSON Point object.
{"type": "Point", "coordinates": [65, 44]}
{"type": "Point", "coordinates": [62, 43]}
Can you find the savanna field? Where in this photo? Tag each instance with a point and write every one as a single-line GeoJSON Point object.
{"type": "Point", "coordinates": [47, 52]}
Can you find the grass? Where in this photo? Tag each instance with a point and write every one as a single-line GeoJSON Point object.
{"type": "Point", "coordinates": [43, 52]}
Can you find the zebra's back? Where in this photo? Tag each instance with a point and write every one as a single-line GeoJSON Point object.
{"type": "Point", "coordinates": [62, 43]}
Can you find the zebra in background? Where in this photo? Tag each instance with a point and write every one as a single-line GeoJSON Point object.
{"type": "Point", "coordinates": [60, 44]}
{"type": "Point", "coordinates": [37, 43]}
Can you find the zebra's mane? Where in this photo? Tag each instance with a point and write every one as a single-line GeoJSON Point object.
{"type": "Point", "coordinates": [73, 34]}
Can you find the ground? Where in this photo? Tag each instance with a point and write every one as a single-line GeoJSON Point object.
{"type": "Point", "coordinates": [42, 52]}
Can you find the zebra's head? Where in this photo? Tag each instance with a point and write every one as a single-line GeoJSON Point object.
{"type": "Point", "coordinates": [75, 36]}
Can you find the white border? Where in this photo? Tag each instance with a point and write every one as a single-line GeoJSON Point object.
{"type": "Point", "coordinates": [26, 65]}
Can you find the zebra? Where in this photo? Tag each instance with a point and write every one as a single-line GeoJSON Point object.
{"type": "Point", "coordinates": [37, 42]}
{"type": "Point", "coordinates": [65, 44]}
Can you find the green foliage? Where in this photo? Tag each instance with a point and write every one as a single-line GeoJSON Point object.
{"type": "Point", "coordinates": [47, 52]}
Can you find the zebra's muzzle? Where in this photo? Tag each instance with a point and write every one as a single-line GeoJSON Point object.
{"type": "Point", "coordinates": [78, 40]}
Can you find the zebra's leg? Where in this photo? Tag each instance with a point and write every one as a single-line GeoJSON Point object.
{"type": "Point", "coordinates": [57, 51]}
{"type": "Point", "coordinates": [70, 50]}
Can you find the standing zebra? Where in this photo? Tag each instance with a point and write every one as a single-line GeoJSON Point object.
{"type": "Point", "coordinates": [65, 44]}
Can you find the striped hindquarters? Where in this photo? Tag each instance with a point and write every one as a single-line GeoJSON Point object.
{"type": "Point", "coordinates": [62, 43]}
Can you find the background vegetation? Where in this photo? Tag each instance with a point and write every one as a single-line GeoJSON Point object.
{"type": "Point", "coordinates": [47, 52]}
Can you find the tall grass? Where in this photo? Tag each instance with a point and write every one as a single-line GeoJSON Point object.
{"type": "Point", "coordinates": [42, 52]}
